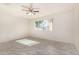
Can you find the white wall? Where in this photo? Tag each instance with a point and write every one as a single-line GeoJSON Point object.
{"type": "Point", "coordinates": [62, 28]}
{"type": "Point", "coordinates": [76, 26]}
{"type": "Point", "coordinates": [11, 26]}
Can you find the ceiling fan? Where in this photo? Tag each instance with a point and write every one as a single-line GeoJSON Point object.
{"type": "Point", "coordinates": [30, 10]}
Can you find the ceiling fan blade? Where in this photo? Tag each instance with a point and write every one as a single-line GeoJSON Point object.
{"type": "Point", "coordinates": [25, 10]}
{"type": "Point", "coordinates": [36, 11]}
{"type": "Point", "coordinates": [25, 7]}
{"type": "Point", "coordinates": [27, 13]}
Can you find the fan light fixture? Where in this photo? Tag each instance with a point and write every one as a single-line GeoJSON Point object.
{"type": "Point", "coordinates": [30, 10]}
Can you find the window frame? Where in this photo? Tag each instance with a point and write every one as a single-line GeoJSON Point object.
{"type": "Point", "coordinates": [50, 25]}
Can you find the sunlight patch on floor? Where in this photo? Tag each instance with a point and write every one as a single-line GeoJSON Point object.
{"type": "Point", "coordinates": [27, 42]}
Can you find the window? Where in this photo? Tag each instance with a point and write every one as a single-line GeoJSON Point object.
{"type": "Point", "coordinates": [43, 25]}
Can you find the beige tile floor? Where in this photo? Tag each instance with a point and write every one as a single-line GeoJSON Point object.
{"type": "Point", "coordinates": [46, 47]}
